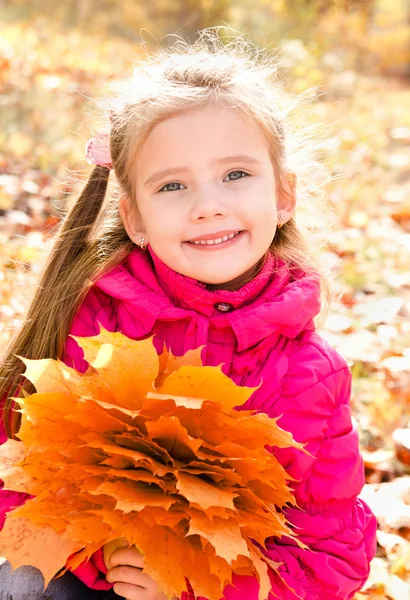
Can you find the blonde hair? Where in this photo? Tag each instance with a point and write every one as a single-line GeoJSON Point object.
{"type": "Point", "coordinates": [91, 241]}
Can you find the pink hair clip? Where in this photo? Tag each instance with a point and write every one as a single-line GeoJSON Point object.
{"type": "Point", "coordinates": [97, 150]}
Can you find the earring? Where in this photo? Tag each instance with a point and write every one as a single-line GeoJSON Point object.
{"type": "Point", "coordinates": [142, 243]}
{"type": "Point", "coordinates": [281, 220]}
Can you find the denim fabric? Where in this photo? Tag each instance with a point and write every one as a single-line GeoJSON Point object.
{"type": "Point", "coordinates": [27, 583]}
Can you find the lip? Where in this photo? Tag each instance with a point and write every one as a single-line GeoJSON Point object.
{"type": "Point", "coordinates": [217, 247]}
{"type": "Point", "coordinates": [214, 236]}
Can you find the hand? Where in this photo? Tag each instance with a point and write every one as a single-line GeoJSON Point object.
{"type": "Point", "coordinates": [125, 572]}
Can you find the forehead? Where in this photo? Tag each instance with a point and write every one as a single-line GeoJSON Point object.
{"type": "Point", "coordinates": [209, 133]}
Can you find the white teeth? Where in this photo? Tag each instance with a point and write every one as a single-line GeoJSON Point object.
{"type": "Point", "coordinates": [225, 238]}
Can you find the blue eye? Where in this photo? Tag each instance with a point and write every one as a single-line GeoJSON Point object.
{"type": "Point", "coordinates": [241, 174]}
{"type": "Point", "coordinates": [171, 187]}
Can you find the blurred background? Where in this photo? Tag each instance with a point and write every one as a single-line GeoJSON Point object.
{"type": "Point", "coordinates": [57, 57]}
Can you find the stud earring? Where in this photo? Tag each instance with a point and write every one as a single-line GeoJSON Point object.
{"type": "Point", "coordinates": [281, 220]}
{"type": "Point", "coordinates": [142, 243]}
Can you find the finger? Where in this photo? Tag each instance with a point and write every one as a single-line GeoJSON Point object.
{"type": "Point", "coordinates": [127, 556]}
{"type": "Point", "coordinates": [111, 547]}
{"type": "Point", "coordinates": [129, 591]}
{"type": "Point", "coordinates": [127, 574]}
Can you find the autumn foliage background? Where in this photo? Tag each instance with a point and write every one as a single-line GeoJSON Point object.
{"type": "Point", "coordinates": [358, 56]}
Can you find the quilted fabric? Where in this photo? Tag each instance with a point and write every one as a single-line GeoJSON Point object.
{"type": "Point", "coordinates": [268, 336]}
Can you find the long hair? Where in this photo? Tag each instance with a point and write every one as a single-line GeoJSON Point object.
{"type": "Point", "coordinates": [92, 238]}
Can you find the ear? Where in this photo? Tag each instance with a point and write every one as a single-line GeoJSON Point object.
{"type": "Point", "coordinates": [131, 218]}
{"type": "Point", "coordinates": [286, 199]}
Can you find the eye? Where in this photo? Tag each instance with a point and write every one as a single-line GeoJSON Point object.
{"type": "Point", "coordinates": [237, 175]}
{"type": "Point", "coordinates": [171, 187]}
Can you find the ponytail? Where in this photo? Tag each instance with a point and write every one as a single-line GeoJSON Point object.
{"type": "Point", "coordinates": [73, 262]}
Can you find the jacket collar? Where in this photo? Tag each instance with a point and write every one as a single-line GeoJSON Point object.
{"type": "Point", "coordinates": [276, 301]}
{"type": "Point", "coordinates": [191, 294]}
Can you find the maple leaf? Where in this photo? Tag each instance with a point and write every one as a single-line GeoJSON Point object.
{"type": "Point", "coordinates": [150, 449]}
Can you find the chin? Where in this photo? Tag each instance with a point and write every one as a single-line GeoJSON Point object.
{"type": "Point", "coordinates": [222, 280]}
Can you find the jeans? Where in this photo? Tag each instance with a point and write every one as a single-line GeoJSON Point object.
{"type": "Point", "coordinates": [27, 583]}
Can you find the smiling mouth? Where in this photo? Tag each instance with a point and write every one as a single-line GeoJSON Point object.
{"type": "Point", "coordinates": [216, 241]}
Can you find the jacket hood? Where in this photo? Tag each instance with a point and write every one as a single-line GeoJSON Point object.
{"type": "Point", "coordinates": [277, 301]}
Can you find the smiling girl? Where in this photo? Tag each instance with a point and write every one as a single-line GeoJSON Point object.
{"type": "Point", "coordinates": [201, 246]}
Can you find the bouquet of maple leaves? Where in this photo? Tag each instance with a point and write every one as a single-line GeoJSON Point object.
{"type": "Point", "coordinates": [151, 449]}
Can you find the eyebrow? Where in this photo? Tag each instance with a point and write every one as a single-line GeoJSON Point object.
{"type": "Point", "coordinates": [158, 175]}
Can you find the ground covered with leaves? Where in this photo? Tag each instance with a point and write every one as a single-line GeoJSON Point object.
{"type": "Point", "coordinates": [45, 82]}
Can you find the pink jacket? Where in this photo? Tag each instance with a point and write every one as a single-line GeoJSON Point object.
{"type": "Point", "coordinates": [267, 333]}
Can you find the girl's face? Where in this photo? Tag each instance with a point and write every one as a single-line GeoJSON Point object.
{"type": "Point", "coordinates": [206, 195]}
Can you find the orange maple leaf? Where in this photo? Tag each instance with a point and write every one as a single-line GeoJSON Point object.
{"type": "Point", "coordinates": [150, 449]}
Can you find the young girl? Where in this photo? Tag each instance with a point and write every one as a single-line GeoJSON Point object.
{"type": "Point", "coordinates": [201, 247]}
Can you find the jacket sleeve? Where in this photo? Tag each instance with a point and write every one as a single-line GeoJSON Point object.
{"type": "Point", "coordinates": [337, 526]}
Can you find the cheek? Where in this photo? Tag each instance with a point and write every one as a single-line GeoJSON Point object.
{"type": "Point", "coordinates": [165, 232]}
{"type": "Point", "coordinates": [160, 221]}
{"type": "Point", "coordinates": [263, 216]}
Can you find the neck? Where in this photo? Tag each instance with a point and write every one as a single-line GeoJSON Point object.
{"type": "Point", "coordinates": [239, 281]}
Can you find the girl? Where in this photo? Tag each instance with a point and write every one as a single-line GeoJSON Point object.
{"type": "Point", "coordinates": [201, 247]}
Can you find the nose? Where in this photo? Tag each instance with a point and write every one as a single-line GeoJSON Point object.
{"type": "Point", "coordinates": [207, 205]}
